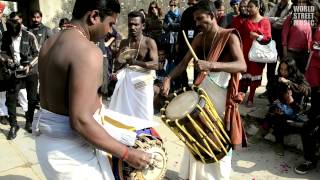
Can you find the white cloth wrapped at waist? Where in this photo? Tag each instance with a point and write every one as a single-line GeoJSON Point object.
{"type": "Point", "coordinates": [63, 153]}
{"type": "Point", "coordinates": [133, 94]}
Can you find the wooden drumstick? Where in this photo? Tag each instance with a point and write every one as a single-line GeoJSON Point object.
{"type": "Point", "coordinates": [108, 43]}
{"type": "Point", "coordinates": [189, 46]}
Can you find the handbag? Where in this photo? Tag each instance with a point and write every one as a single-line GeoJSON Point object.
{"type": "Point", "coordinates": [263, 53]}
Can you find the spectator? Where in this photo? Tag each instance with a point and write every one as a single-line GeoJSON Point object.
{"type": "Point", "coordinates": [188, 25]}
{"type": "Point", "coordinates": [277, 15]}
{"type": "Point", "coordinates": [22, 96]}
{"type": "Point", "coordinates": [311, 130]}
{"type": "Point", "coordinates": [41, 31]}
{"type": "Point", "coordinates": [171, 26]}
{"type": "Point", "coordinates": [23, 54]}
{"type": "Point", "coordinates": [238, 21]}
{"type": "Point", "coordinates": [3, 107]}
{"type": "Point", "coordinates": [236, 12]}
{"type": "Point", "coordinates": [154, 23]}
{"type": "Point", "coordinates": [221, 18]}
{"type": "Point", "coordinates": [289, 74]}
{"type": "Point", "coordinates": [287, 90]}
{"type": "Point", "coordinates": [161, 73]}
{"type": "Point", "coordinates": [256, 27]}
{"type": "Point", "coordinates": [18, 17]}
{"type": "Point", "coordinates": [297, 36]}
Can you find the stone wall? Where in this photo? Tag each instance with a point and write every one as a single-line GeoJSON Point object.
{"type": "Point", "coordinates": [54, 10]}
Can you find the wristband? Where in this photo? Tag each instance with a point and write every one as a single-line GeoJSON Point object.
{"type": "Point", "coordinates": [125, 154]}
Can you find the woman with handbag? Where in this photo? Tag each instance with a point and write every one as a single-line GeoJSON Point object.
{"type": "Point", "coordinates": [258, 28]}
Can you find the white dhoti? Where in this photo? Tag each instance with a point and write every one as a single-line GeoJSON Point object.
{"type": "Point", "coordinates": [23, 100]}
{"type": "Point", "coordinates": [3, 107]}
{"type": "Point", "coordinates": [215, 85]}
{"type": "Point", "coordinates": [64, 154]}
{"type": "Point", "coordinates": [133, 94]}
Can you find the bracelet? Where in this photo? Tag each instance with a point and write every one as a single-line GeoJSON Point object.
{"type": "Point", "coordinates": [125, 155]}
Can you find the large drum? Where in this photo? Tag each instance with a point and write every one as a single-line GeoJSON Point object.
{"type": "Point", "coordinates": [156, 170]}
{"type": "Point", "coordinates": [193, 118]}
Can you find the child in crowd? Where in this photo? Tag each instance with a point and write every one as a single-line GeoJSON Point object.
{"type": "Point", "coordinates": [287, 91]}
{"type": "Point", "coordinates": [161, 73]}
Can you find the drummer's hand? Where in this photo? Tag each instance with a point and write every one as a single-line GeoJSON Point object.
{"type": "Point", "coordinates": [114, 76]}
{"type": "Point", "coordinates": [139, 159]}
{"type": "Point", "coordinates": [165, 86]}
{"type": "Point", "coordinates": [202, 65]}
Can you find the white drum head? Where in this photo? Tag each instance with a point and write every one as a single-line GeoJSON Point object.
{"type": "Point", "coordinates": [182, 105]}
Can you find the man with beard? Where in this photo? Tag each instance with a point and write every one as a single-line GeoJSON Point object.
{"type": "Point", "coordinates": [133, 94]}
{"type": "Point", "coordinates": [68, 138]}
{"type": "Point", "coordinates": [41, 31]}
{"type": "Point", "coordinates": [231, 61]}
{"type": "Point", "coordinates": [21, 46]}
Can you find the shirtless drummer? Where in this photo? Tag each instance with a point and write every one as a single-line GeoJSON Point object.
{"type": "Point", "coordinates": [70, 68]}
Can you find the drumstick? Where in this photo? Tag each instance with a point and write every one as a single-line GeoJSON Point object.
{"type": "Point", "coordinates": [108, 43]}
{"type": "Point", "coordinates": [189, 46]}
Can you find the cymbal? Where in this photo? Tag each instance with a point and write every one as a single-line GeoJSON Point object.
{"type": "Point", "coordinates": [127, 55]}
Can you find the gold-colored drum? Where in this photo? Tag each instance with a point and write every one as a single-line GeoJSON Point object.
{"type": "Point", "coordinates": [156, 171]}
{"type": "Point", "coordinates": [191, 115]}
{"type": "Point", "coordinates": [127, 55]}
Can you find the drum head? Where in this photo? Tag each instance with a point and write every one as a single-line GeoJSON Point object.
{"type": "Point", "coordinates": [157, 170]}
{"type": "Point", "coordinates": [182, 105]}
{"type": "Point", "coordinates": [127, 55]}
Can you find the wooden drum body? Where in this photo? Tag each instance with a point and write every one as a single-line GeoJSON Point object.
{"type": "Point", "coordinates": [193, 118]}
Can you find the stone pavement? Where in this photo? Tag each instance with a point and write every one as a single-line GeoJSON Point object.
{"type": "Point", "coordinates": [257, 162]}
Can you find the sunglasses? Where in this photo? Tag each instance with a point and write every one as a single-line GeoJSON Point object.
{"type": "Point", "coordinates": [153, 7]}
{"type": "Point", "coordinates": [173, 5]}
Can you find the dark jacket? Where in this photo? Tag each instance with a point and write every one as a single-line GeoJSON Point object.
{"type": "Point", "coordinates": [42, 33]}
{"type": "Point", "coordinates": [29, 48]}
{"type": "Point", "coordinates": [189, 26]}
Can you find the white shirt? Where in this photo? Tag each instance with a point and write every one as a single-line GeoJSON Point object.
{"type": "Point", "coordinates": [16, 41]}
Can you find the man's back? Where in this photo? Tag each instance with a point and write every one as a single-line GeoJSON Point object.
{"type": "Point", "coordinates": [57, 58]}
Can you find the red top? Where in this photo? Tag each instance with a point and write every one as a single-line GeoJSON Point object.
{"type": "Point", "coordinates": [263, 27]}
{"type": "Point", "coordinates": [296, 35]}
{"type": "Point", "coordinates": [237, 23]}
{"type": "Point", "coordinates": [313, 71]}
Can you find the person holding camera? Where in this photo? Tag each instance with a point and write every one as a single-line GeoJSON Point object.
{"type": "Point", "coordinates": [20, 48]}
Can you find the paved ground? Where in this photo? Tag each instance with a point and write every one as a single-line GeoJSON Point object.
{"type": "Point", "coordinates": [257, 162]}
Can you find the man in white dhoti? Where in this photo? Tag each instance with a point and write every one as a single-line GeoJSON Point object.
{"type": "Point", "coordinates": [220, 51]}
{"type": "Point", "coordinates": [3, 109]}
{"type": "Point", "coordinates": [68, 138]}
{"type": "Point", "coordinates": [133, 94]}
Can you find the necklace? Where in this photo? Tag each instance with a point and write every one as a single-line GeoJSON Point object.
{"type": "Point", "coordinates": [136, 56]}
{"type": "Point", "coordinates": [79, 29]}
{"type": "Point", "coordinates": [204, 44]}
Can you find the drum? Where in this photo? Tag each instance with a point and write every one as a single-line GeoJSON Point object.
{"type": "Point", "coordinates": [156, 171]}
{"type": "Point", "coordinates": [217, 94]}
{"type": "Point", "coordinates": [126, 55]}
{"type": "Point", "coordinates": [193, 118]}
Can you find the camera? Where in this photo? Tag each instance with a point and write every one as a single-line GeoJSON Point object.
{"type": "Point", "coordinates": [20, 73]}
